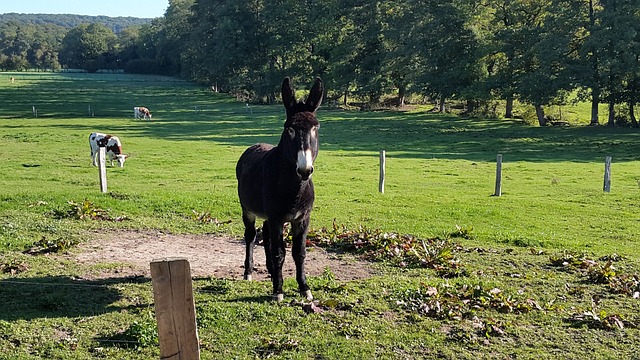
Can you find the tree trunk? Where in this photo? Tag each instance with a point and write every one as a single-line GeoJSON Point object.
{"type": "Point", "coordinates": [509, 111]}
{"type": "Point", "coordinates": [471, 106]}
{"type": "Point", "coordinates": [612, 116]}
{"type": "Point", "coordinates": [632, 114]}
{"type": "Point", "coordinates": [344, 101]}
{"type": "Point", "coordinates": [402, 93]}
{"type": "Point", "coordinates": [595, 101]}
{"type": "Point", "coordinates": [595, 87]}
{"type": "Point", "coordinates": [442, 108]}
{"type": "Point", "coordinates": [540, 114]}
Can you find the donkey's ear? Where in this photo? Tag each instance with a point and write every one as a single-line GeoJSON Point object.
{"type": "Point", "coordinates": [288, 95]}
{"type": "Point", "coordinates": [315, 96]}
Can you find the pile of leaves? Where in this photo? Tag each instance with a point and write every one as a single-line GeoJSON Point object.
{"type": "Point", "coordinates": [45, 245]}
{"type": "Point", "coordinates": [462, 302]}
{"type": "Point", "coordinates": [206, 218]}
{"type": "Point", "coordinates": [401, 250]}
{"type": "Point", "coordinates": [598, 319]}
{"type": "Point", "coordinates": [13, 267]}
{"type": "Point", "coordinates": [600, 271]}
{"type": "Point", "coordinates": [85, 210]}
{"type": "Point", "coordinates": [275, 346]}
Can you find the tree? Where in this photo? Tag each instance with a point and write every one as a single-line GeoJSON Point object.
{"type": "Point", "coordinates": [172, 33]}
{"type": "Point", "coordinates": [513, 23]}
{"type": "Point", "coordinates": [446, 48]}
{"type": "Point", "coordinates": [618, 32]}
{"type": "Point", "coordinates": [87, 46]}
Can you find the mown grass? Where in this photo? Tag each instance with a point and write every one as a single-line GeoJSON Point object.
{"type": "Point", "coordinates": [440, 173]}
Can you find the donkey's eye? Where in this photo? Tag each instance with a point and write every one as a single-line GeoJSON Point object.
{"type": "Point", "coordinates": [292, 132]}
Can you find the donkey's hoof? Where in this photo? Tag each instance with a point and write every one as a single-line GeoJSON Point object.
{"type": "Point", "coordinates": [308, 295]}
{"type": "Point", "coordinates": [247, 277]}
{"type": "Point", "coordinates": [278, 297]}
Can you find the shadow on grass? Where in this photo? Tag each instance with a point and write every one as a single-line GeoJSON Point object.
{"type": "Point", "coordinates": [60, 296]}
{"type": "Point", "coordinates": [185, 112]}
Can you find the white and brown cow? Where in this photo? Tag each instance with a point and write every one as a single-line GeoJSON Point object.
{"type": "Point", "coordinates": [141, 112]}
{"type": "Point", "coordinates": [111, 143]}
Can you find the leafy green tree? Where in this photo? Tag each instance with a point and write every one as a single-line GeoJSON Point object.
{"type": "Point", "coordinates": [513, 24]}
{"type": "Point", "coordinates": [224, 44]}
{"type": "Point", "coordinates": [618, 32]}
{"type": "Point", "coordinates": [448, 54]}
{"type": "Point", "coordinates": [87, 46]}
{"type": "Point", "coordinates": [172, 33]}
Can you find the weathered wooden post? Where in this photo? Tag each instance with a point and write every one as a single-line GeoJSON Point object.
{"type": "Point", "coordinates": [498, 191]}
{"type": "Point", "coordinates": [382, 171]}
{"type": "Point", "coordinates": [607, 174]}
{"type": "Point", "coordinates": [102, 168]}
{"type": "Point", "coordinates": [175, 309]}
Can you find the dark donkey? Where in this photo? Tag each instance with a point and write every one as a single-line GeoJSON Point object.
{"type": "Point", "coordinates": [274, 183]}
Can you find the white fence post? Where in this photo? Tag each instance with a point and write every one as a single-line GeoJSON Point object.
{"type": "Point", "coordinates": [382, 171]}
{"type": "Point", "coordinates": [607, 174]}
{"type": "Point", "coordinates": [102, 168]}
{"type": "Point", "coordinates": [498, 191]}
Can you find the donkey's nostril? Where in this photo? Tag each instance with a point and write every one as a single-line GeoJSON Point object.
{"type": "Point", "coordinates": [305, 174]}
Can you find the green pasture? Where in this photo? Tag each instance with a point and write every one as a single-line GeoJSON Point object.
{"type": "Point", "coordinates": [440, 176]}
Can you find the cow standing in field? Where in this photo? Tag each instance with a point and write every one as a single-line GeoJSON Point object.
{"type": "Point", "coordinates": [113, 148]}
{"type": "Point", "coordinates": [141, 112]}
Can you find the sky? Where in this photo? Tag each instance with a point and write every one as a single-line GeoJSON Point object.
{"type": "Point", "coordinates": [135, 8]}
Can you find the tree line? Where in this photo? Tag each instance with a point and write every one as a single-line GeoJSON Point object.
{"type": "Point", "coordinates": [539, 52]}
{"type": "Point", "coordinates": [69, 21]}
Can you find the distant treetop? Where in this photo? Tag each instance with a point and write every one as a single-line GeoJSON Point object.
{"type": "Point", "coordinates": [69, 21]}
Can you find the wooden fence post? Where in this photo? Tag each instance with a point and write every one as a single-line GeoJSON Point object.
{"type": "Point", "coordinates": [382, 171]}
{"type": "Point", "coordinates": [607, 174]}
{"type": "Point", "coordinates": [498, 191]}
{"type": "Point", "coordinates": [102, 168]}
{"type": "Point", "coordinates": [175, 309]}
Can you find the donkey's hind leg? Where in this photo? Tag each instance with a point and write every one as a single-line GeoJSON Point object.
{"type": "Point", "coordinates": [249, 240]}
{"type": "Point", "coordinates": [266, 241]}
{"type": "Point", "coordinates": [278, 252]}
{"type": "Point", "coordinates": [299, 252]}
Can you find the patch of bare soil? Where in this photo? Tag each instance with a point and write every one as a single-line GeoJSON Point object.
{"type": "Point", "coordinates": [208, 256]}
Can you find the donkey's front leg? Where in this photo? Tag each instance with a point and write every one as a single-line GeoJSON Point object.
{"type": "Point", "coordinates": [299, 231]}
{"type": "Point", "coordinates": [278, 253]}
{"type": "Point", "coordinates": [249, 240]}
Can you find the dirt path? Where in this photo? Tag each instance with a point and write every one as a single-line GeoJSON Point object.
{"type": "Point", "coordinates": [208, 255]}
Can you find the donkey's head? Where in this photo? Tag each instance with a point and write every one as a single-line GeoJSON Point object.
{"type": "Point", "coordinates": [300, 137]}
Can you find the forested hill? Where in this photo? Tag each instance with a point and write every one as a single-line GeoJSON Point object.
{"type": "Point", "coordinates": [116, 24]}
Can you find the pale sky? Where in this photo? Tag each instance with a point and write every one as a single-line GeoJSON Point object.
{"type": "Point", "coordinates": [136, 8]}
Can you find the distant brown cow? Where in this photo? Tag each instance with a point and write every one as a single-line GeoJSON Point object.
{"type": "Point", "coordinates": [141, 112]}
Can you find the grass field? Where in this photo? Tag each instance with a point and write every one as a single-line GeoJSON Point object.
{"type": "Point", "coordinates": [440, 175]}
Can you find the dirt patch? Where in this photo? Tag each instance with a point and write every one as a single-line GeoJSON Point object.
{"type": "Point", "coordinates": [208, 256]}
